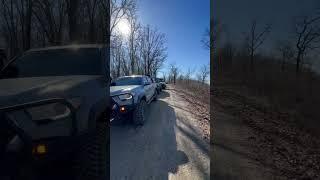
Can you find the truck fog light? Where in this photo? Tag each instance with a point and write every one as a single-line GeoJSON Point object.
{"type": "Point", "coordinates": [40, 149]}
{"type": "Point", "coordinates": [122, 109]}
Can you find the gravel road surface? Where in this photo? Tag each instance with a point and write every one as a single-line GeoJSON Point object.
{"type": "Point", "coordinates": [169, 146]}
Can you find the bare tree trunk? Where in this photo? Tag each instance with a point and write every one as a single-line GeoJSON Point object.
{"type": "Point", "coordinates": [132, 64]}
{"type": "Point", "coordinates": [91, 32]}
{"type": "Point", "coordinates": [298, 63]}
{"type": "Point", "coordinates": [282, 65]}
{"type": "Point", "coordinates": [73, 6]}
{"type": "Point", "coordinates": [27, 42]}
{"type": "Point", "coordinates": [119, 65]}
{"type": "Point", "coordinates": [91, 10]}
{"type": "Point", "coordinates": [251, 60]}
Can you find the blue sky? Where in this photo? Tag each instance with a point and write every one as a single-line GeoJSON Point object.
{"type": "Point", "coordinates": [184, 22]}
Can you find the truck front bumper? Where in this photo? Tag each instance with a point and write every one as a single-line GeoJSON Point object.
{"type": "Point", "coordinates": [119, 112]}
{"type": "Point", "coordinates": [19, 146]}
{"type": "Point", "coordinates": [49, 150]}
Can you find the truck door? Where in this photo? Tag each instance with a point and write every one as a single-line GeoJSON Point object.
{"type": "Point", "coordinates": [146, 87]}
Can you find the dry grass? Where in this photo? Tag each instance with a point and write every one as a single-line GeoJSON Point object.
{"type": "Point", "coordinates": [281, 110]}
{"type": "Point", "coordinates": [282, 90]}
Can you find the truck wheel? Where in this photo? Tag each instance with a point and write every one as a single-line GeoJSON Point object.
{"type": "Point", "coordinates": [91, 162]}
{"type": "Point", "coordinates": [139, 113]}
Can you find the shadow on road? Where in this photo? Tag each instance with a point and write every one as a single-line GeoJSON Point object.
{"type": "Point", "coordinates": [147, 152]}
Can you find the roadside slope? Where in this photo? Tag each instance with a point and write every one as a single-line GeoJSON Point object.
{"type": "Point", "coordinates": [253, 140]}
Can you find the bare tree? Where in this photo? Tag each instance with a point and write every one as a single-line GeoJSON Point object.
{"type": "Point", "coordinates": [206, 41]}
{"type": "Point", "coordinates": [125, 10]}
{"type": "Point", "coordinates": [15, 22]}
{"type": "Point", "coordinates": [203, 73]}
{"type": "Point", "coordinates": [152, 49]}
{"type": "Point", "coordinates": [72, 10]}
{"type": "Point", "coordinates": [307, 33]}
{"type": "Point", "coordinates": [104, 8]}
{"type": "Point", "coordinates": [116, 56]}
{"type": "Point", "coordinates": [133, 40]}
{"type": "Point", "coordinates": [9, 25]}
{"type": "Point", "coordinates": [188, 74]}
{"type": "Point", "coordinates": [255, 39]}
{"type": "Point", "coordinates": [174, 72]}
{"type": "Point", "coordinates": [24, 9]}
{"type": "Point", "coordinates": [120, 9]}
{"type": "Point", "coordinates": [50, 16]}
{"type": "Point", "coordinates": [91, 9]}
{"type": "Point", "coordinates": [212, 35]}
{"type": "Point", "coordinates": [36, 23]}
{"type": "Point", "coordinates": [226, 55]}
{"type": "Point", "coordinates": [286, 51]}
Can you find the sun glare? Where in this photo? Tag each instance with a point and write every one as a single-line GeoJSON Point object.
{"type": "Point", "coordinates": [123, 27]}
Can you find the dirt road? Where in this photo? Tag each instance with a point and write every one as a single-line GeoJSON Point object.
{"type": "Point", "coordinates": [232, 157]}
{"type": "Point", "coordinates": [168, 146]}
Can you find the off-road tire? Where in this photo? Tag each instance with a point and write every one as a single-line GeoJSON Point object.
{"type": "Point", "coordinates": [139, 113]}
{"type": "Point", "coordinates": [92, 160]}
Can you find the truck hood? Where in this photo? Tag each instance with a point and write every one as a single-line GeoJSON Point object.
{"type": "Point", "coordinates": [116, 90]}
{"type": "Point", "coordinates": [23, 90]}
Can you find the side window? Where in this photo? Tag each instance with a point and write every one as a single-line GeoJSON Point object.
{"type": "Point", "coordinates": [144, 80]}
{"type": "Point", "coordinates": [106, 62]}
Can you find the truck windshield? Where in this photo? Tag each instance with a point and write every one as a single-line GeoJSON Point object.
{"type": "Point", "coordinates": [159, 80]}
{"type": "Point", "coordinates": [55, 62]}
{"type": "Point", "coordinates": [127, 81]}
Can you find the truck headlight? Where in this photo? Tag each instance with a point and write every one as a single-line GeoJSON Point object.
{"type": "Point", "coordinates": [52, 111]}
{"type": "Point", "coordinates": [124, 97]}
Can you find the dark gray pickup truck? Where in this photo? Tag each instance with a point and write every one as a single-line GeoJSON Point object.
{"type": "Point", "coordinates": [53, 105]}
{"type": "Point", "coordinates": [129, 97]}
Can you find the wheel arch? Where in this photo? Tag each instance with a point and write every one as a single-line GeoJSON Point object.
{"type": "Point", "coordinates": [99, 113]}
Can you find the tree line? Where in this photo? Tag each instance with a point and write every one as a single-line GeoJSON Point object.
{"type": "Point", "coordinates": [297, 48]}
{"type": "Point", "coordinates": [190, 76]}
{"type": "Point", "coordinates": [142, 51]}
{"type": "Point", "coordinates": [26, 24]}
{"type": "Point", "coordinates": [284, 71]}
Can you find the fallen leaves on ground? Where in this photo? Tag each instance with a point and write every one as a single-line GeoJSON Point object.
{"type": "Point", "coordinates": [278, 140]}
{"type": "Point", "coordinates": [201, 110]}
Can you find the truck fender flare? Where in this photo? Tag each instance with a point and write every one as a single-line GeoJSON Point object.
{"type": "Point", "coordinates": [141, 96]}
{"type": "Point", "coordinates": [98, 113]}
